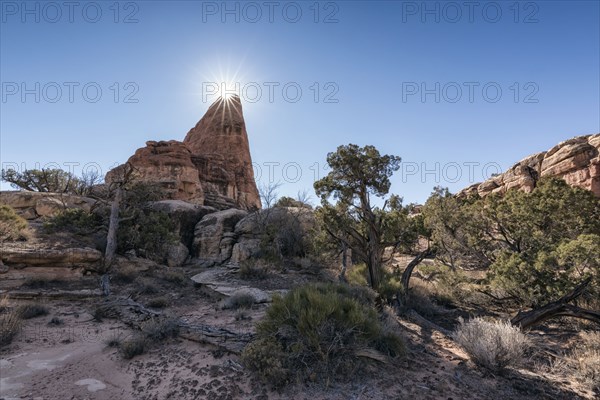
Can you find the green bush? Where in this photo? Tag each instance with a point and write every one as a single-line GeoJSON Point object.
{"type": "Point", "coordinates": [149, 233]}
{"type": "Point", "coordinates": [314, 333]}
{"type": "Point", "coordinates": [12, 226]}
{"type": "Point", "coordinates": [75, 220]}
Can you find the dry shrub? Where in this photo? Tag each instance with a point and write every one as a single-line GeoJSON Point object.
{"type": "Point", "coordinates": [172, 276]}
{"type": "Point", "coordinates": [237, 301]}
{"type": "Point", "coordinates": [252, 269]}
{"type": "Point", "coordinates": [28, 311]}
{"type": "Point", "coordinates": [583, 361]}
{"type": "Point", "coordinates": [12, 226]}
{"type": "Point", "coordinates": [493, 345]}
{"type": "Point", "coordinates": [158, 302]}
{"type": "Point", "coordinates": [124, 275]}
{"type": "Point", "coordinates": [132, 347]}
{"type": "Point", "coordinates": [10, 324]}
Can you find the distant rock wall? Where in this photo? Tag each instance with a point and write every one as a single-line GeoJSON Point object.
{"type": "Point", "coordinates": [576, 160]}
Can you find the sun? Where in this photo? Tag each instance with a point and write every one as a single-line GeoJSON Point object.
{"type": "Point", "coordinates": [228, 90]}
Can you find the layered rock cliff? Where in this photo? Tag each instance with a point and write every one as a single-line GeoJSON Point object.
{"type": "Point", "coordinates": [576, 160]}
{"type": "Point", "coordinates": [212, 166]}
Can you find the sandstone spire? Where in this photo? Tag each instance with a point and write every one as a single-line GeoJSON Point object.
{"type": "Point", "coordinates": [220, 151]}
{"type": "Point", "coordinates": [212, 166]}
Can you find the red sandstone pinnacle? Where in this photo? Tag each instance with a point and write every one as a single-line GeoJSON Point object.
{"type": "Point", "coordinates": [212, 166]}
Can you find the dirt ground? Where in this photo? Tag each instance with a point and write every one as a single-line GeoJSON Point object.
{"type": "Point", "coordinates": [72, 360]}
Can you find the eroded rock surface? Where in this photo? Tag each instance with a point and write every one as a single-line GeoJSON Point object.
{"type": "Point", "coordinates": [576, 160]}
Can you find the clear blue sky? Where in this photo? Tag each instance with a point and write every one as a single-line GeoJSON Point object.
{"type": "Point", "coordinates": [374, 58]}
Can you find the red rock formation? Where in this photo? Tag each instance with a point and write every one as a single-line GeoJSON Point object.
{"type": "Point", "coordinates": [219, 143]}
{"type": "Point", "coordinates": [576, 160]}
{"type": "Point", "coordinates": [212, 166]}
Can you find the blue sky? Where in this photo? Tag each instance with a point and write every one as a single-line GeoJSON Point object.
{"type": "Point", "coordinates": [457, 92]}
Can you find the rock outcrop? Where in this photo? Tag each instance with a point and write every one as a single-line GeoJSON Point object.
{"type": "Point", "coordinates": [33, 205]}
{"type": "Point", "coordinates": [576, 160]}
{"type": "Point", "coordinates": [234, 236]}
{"type": "Point", "coordinates": [215, 236]}
{"type": "Point", "coordinates": [212, 166]}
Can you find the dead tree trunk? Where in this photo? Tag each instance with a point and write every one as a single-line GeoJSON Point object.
{"type": "Point", "coordinates": [113, 226]}
{"type": "Point", "coordinates": [558, 308]}
{"type": "Point", "coordinates": [408, 272]}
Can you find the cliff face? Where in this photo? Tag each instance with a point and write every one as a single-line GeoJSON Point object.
{"type": "Point", "coordinates": [212, 166]}
{"type": "Point", "coordinates": [576, 160]}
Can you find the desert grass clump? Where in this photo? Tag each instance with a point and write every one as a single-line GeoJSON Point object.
{"type": "Point", "coordinates": [493, 345]}
{"type": "Point", "coordinates": [237, 301]}
{"type": "Point", "coordinates": [251, 269]}
{"type": "Point", "coordinates": [158, 329]}
{"type": "Point", "coordinates": [114, 341]}
{"type": "Point", "coordinates": [28, 311]}
{"type": "Point", "coordinates": [10, 325]}
{"type": "Point", "coordinates": [12, 225]}
{"type": "Point", "coordinates": [158, 302]}
{"type": "Point", "coordinates": [176, 277]}
{"type": "Point", "coordinates": [146, 287]}
{"type": "Point", "coordinates": [317, 333]}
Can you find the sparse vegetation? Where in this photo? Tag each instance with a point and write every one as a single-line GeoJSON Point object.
{"type": "Point", "coordinates": [313, 334]}
{"type": "Point", "coordinates": [158, 302]}
{"type": "Point", "coordinates": [583, 361]}
{"type": "Point", "coordinates": [28, 311]}
{"type": "Point", "coordinates": [172, 276]}
{"type": "Point", "coordinates": [132, 347]}
{"type": "Point", "coordinates": [55, 321]}
{"type": "Point", "coordinates": [493, 345]}
{"type": "Point", "coordinates": [158, 329]}
{"type": "Point", "coordinates": [10, 325]}
{"type": "Point", "coordinates": [124, 275]}
{"type": "Point", "coordinates": [42, 282]}
{"type": "Point", "coordinates": [237, 301]}
{"type": "Point", "coordinates": [75, 220]}
{"type": "Point", "coordinates": [253, 269]}
{"type": "Point", "coordinates": [12, 226]}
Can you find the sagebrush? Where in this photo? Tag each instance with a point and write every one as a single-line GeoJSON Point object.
{"type": "Point", "coordinates": [493, 345]}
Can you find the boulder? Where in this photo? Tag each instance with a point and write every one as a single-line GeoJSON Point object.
{"type": "Point", "coordinates": [221, 282]}
{"type": "Point", "coordinates": [184, 215]}
{"type": "Point", "coordinates": [177, 254]}
{"type": "Point", "coordinates": [34, 256]}
{"type": "Point", "coordinates": [211, 241]}
{"type": "Point", "coordinates": [32, 205]}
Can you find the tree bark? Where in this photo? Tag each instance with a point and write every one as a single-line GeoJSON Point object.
{"type": "Point", "coordinates": [558, 308]}
{"type": "Point", "coordinates": [408, 272]}
{"type": "Point", "coordinates": [113, 226]}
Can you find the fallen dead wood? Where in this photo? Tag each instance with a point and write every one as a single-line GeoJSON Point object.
{"type": "Point", "coordinates": [558, 308]}
{"type": "Point", "coordinates": [425, 323]}
{"type": "Point", "coordinates": [233, 342]}
{"type": "Point", "coordinates": [134, 315]}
